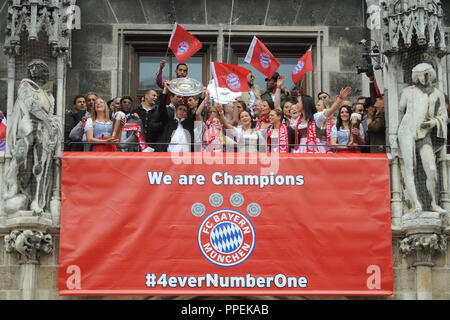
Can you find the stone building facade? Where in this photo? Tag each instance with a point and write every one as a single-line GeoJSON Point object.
{"type": "Point", "coordinates": [116, 49]}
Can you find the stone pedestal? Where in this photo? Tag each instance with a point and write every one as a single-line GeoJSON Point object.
{"type": "Point", "coordinates": [422, 222]}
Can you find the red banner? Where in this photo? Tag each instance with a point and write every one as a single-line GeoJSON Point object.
{"type": "Point", "coordinates": [261, 58]}
{"type": "Point", "coordinates": [225, 224]}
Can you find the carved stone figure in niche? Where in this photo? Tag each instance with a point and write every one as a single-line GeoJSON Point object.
{"type": "Point", "coordinates": [33, 133]}
{"type": "Point", "coordinates": [422, 129]}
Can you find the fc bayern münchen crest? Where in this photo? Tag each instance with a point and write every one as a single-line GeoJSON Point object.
{"type": "Point", "coordinates": [226, 237]}
{"type": "Point", "coordinates": [233, 82]}
{"type": "Point", "coordinates": [264, 60]}
{"type": "Point", "coordinates": [299, 67]}
{"type": "Point", "coordinates": [183, 46]}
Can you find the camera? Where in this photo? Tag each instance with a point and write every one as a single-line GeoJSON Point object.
{"type": "Point", "coordinates": [369, 52]}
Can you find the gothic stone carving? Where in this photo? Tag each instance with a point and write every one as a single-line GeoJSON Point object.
{"type": "Point", "coordinates": [423, 247]}
{"type": "Point", "coordinates": [33, 133]}
{"type": "Point", "coordinates": [425, 111]}
{"type": "Point", "coordinates": [53, 16]}
{"type": "Point", "coordinates": [402, 19]}
{"type": "Point", "coordinates": [28, 244]}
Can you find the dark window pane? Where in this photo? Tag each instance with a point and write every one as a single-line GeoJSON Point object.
{"type": "Point", "coordinates": [148, 66]}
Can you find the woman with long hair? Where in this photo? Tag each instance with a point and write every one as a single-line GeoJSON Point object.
{"type": "Point", "coordinates": [98, 127]}
{"type": "Point", "coordinates": [286, 107]}
{"type": "Point", "coordinates": [342, 131]}
{"type": "Point", "coordinates": [324, 131]}
{"type": "Point", "coordinates": [209, 133]}
{"type": "Point", "coordinates": [264, 119]}
{"type": "Point", "coordinates": [248, 139]}
{"type": "Point", "coordinates": [241, 106]}
{"type": "Point", "coordinates": [277, 138]}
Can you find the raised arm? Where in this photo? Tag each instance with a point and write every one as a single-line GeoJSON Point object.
{"type": "Point", "coordinates": [277, 101]}
{"type": "Point", "coordinates": [201, 107]}
{"type": "Point", "coordinates": [159, 79]}
{"type": "Point", "coordinates": [222, 118]}
{"type": "Point", "coordinates": [337, 103]}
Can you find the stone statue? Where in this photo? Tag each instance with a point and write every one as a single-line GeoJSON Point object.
{"type": "Point", "coordinates": [33, 133]}
{"type": "Point", "coordinates": [423, 129]}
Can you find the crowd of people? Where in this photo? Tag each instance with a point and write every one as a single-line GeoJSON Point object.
{"type": "Point", "coordinates": [274, 119]}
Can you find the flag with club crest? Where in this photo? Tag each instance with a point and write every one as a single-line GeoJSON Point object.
{"type": "Point", "coordinates": [303, 66]}
{"type": "Point", "coordinates": [183, 44]}
{"type": "Point", "coordinates": [230, 76]}
{"type": "Point", "coordinates": [261, 58]}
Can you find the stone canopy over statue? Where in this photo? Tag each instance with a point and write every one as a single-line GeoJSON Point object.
{"type": "Point", "coordinates": [33, 134]}
{"type": "Point", "coordinates": [422, 137]}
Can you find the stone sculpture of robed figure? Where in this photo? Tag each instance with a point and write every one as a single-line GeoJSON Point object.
{"type": "Point", "coordinates": [33, 134]}
{"type": "Point", "coordinates": [423, 129]}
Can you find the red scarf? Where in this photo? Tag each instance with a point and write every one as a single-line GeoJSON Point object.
{"type": "Point", "coordinates": [263, 118]}
{"type": "Point", "coordinates": [211, 139]}
{"type": "Point", "coordinates": [283, 138]}
{"type": "Point", "coordinates": [311, 143]}
{"type": "Point", "coordinates": [135, 128]}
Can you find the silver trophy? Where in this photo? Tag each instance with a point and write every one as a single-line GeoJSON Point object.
{"type": "Point", "coordinates": [185, 87]}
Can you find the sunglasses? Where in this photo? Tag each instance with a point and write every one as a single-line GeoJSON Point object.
{"type": "Point", "coordinates": [323, 97]}
{"type": "Point", "coordinates": [126, 102]}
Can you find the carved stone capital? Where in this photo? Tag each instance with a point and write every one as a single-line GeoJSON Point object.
{"type": "Point", "coordinates": [28, 245]}
{"type": "Point", "coordinates": [423, 247]}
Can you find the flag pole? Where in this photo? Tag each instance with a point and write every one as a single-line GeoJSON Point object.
{"type": "Point", "coordinates": [170, 39]}
{"type": "Point", "coordinates": [167, 51]}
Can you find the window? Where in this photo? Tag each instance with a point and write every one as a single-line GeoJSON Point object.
{"type": "Point", "coordinates": [148, 65]}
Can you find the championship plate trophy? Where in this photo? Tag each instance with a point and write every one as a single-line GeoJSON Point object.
{"type": "Point", "coordinates": [186, 87]}
{"type": "Point", "coordinates": [117, 125]}
{"type": "Point", "coordinates": [355, 121]}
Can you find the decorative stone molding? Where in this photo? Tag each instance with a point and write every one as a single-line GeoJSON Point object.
{"type": "Point", "coordinates": [28, 244]}
{"type": "Point", "coordinates": [52, 16]}
{"type": "Point", "coordinates": [402, 19]}
{"type": "Point", "coordinates": [423, 247]}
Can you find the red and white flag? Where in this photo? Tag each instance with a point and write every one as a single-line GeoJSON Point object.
{"type": "Point", "coordinates": [303, 66]}
{"type": "Point", "coordinates": [230, 76]}
{"type": "Point", "coordinates": [183, 44]}
{"type": "Point", "coordinates": [3, 134]}
{"type": "Point", "coordinates": [260, 58]}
